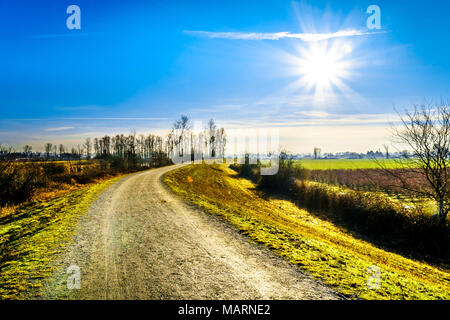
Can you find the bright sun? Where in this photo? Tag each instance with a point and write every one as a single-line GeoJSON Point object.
{"type": "Point", "coordinates": [322, 68]}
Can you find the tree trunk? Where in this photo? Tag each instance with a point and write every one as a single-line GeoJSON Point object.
{"type": "Point", "coordinates": [442, 212]}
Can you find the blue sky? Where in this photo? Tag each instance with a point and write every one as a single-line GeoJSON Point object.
{"type": "Point", "coordinates": [139, 65]}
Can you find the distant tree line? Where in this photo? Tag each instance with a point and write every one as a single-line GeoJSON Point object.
{"type": "Point", "coordinates": [135, 150]}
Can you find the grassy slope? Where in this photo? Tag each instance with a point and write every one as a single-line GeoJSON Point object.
{"type": "Point", "coordinates": [32, 236]}
{"type": "Point", "coordinates": [313, 244]}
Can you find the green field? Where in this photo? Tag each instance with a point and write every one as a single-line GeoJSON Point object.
{"type": "Point", "coordinates": [330, 164]}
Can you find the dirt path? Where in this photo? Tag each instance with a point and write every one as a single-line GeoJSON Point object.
{"type": "Point", "coordinates": [140, 241]}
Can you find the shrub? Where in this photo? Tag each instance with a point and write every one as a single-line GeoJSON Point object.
{"type": "Point", "coordinates": [376, 216]}
{"type": "Point", "coordinates": [17, 183]}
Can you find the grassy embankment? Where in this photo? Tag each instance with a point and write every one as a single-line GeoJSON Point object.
{"type": "Point", "coordinates": [33, 234]}
{"type": "Point", "coordinates": [314, 244]}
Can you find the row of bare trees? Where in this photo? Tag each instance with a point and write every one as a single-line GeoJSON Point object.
{"type": "Point", "coordinates": [190, 143]}
{"type": "Point", "coordinates": [132, 149]}
{"type": "Point", "coordinates": [181, 141]}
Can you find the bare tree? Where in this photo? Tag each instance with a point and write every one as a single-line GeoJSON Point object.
{"type": "Point", "coordinates": [79, 152]}
{"type": "Point", "coordinates": [222, 141]}
{"type": "Point", "coordinates": [96, 147]}
{"type": "Point", "coordinates": [386, 150]}
{"type": "Point", "coordinates": [211, 130]}
{"type": "Point", "coordinates": [426, 132]}
{"type": "Point", "coordinates": [27, 150]}
{"type": "Point", "coordinates": [180, 131]}
{"type": "Point", "coordinates": [48, 149]}
{"type": "Point", "coordinates": [62, 150]}
{"type": "Point", "coordinates": [88, 147]}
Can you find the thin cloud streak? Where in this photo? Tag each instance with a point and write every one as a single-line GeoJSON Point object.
{"type": "Point", "coordinates": [58, 129]}
{"type": "Point", "coordinates": [307, 37]}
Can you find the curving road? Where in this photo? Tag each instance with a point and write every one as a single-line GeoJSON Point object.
{"type": "Point", "coordinates": [140, 241]}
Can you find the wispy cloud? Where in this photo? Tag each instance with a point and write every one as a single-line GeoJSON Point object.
{"type": "Point", "coordinates": [310, 118]}
{"type": "Point", "coordinates": [281, 35]}
{"type": "Point", "coordinates": [58, 129]}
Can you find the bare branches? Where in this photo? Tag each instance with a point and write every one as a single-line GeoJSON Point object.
{"type": "Point", "coordinates": [426, 132]}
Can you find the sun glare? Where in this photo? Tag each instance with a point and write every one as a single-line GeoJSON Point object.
{"type": "Point", "coordinates": [322, 68]}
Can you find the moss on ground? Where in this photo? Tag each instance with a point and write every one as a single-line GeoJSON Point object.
{"type": "Point", "coordinates": [33, 236]}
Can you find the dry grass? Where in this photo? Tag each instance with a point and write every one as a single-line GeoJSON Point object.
{"type": "Point", "coordinates": [323, 249]}
{"type": "Point", "coordinates": [51, 191]}
{"type": "Point", "coordinates": [50, 180]}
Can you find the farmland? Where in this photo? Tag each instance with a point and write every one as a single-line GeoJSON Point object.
{"type": "Point", "coordinates": [346, 164]}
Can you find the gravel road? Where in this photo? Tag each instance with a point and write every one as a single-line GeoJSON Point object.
{"type": "Point", "coordinates": [141, 241]}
